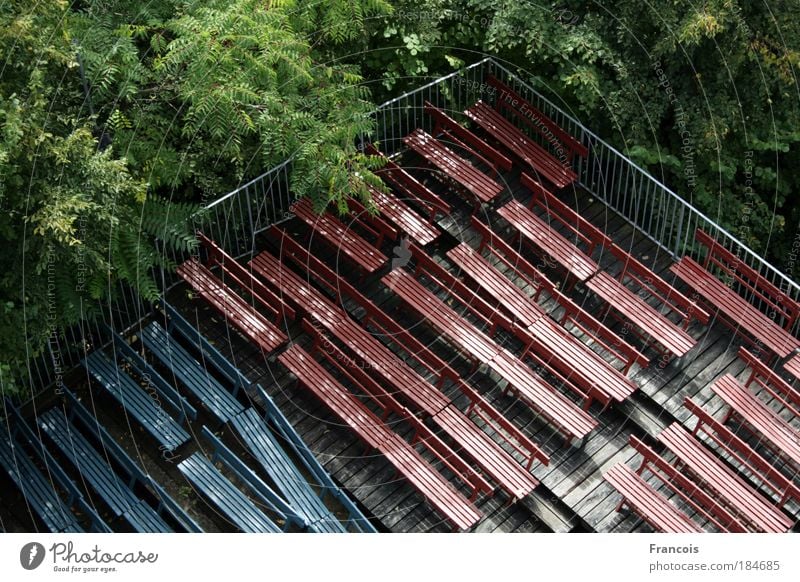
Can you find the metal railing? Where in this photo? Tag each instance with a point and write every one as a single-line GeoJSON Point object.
{"type": "Point", "coordinates": [235, 219]}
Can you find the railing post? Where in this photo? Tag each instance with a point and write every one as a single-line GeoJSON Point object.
{"type": "Point", "coordinates": [679, 234]}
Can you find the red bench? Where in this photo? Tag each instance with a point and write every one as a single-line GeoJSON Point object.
{"type": "Point", "coordinates": [546, 238]}
{"type": "Point", "coordinates": [563, 144]}
{"type": "Point", "coordinates": [402, 455]}
{"type": "Point", "coordinates": [744, 455]}
{"type": "Point", "coordinates": [547, 343]}
{"type": "Point", "coordinates": [534, 156]}
{"type": "Point", "coordinates": [778, 388]}
{"type": "Point", "coordinates": [233, 271]}
{"type": "Point", "coordinates": [419, 229]}
{"type": "Point", "coordinates": [739, 312]}
{"type": "Point", "coordinates": [244, 317]}
{"type": "Point", "coordinates": [407, 186]}
{"type": "Point", "coordinates": [559, 410]}
{"type": "Point", "coordinates": [779, 435]}
{"type": "Point", "coordinates": [632, 307]}
{"type": "Point", "coordinates": [585, 324]}
{"type": "Point", "coordinates": [793, 366]}
{"type": "Point", "coordinates": [723, 483]}
{"type": "Point", "coordinates": [344, 240]}
{"type": "Point", "coordinates": [446, 126]}
{"type": "Point", "coordinates": [479, 187]}
{"type": "Point", "coordinates": [648, 504]}
{"type": "Point", "coordinates": [690, 493]}
{"type": "Point", "coordinates": [402, 378]}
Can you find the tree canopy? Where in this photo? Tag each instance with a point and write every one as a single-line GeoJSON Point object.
{"type": "Point", "coordinates": [121, 118]}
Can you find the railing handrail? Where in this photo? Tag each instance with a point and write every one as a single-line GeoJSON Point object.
{"type": "Point", "coordinates": [241, 187]}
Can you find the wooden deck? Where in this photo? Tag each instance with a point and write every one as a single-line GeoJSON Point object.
{"type": "Point", "coordinates": [572, 495]}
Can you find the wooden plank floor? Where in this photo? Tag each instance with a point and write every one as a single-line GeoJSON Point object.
{"type": "Point", "coordinates": [573, 496]}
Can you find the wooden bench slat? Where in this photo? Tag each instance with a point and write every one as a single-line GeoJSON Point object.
{"type": "Point", "coordinates": [554, 344]}
{"type": "Point", "coordinates": [266, 449]}
{"type": "Point", "coordinates": [340, 237]}
{"type": "Point", "coordinates": [406, 381]}
{"type": "Point", "coordinates": [415, 226]}
{"type": "Point", "coordinates": [39, 492]}
{"type": "Point", "coordinates": [482, 187]}
{"type": "Point", "coordinates": [526, 112]}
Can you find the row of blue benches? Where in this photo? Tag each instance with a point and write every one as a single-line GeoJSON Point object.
{"type": "Point", "coordinates": [301, 485]}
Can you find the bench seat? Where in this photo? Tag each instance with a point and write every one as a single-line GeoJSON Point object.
{"type": "Point", "coordinates": [740, 312]}
{"type": "Point", "coordinates": [234, 505]}
{"type": "Point", "coordinates": [780, 435]}
{"type": "Point", "coordinates": [651, 506]}
{"type": "Point", "coordinates": [136, 401]}
{"type": "Point", "coordinates": [191, 373]}
{"type": "Point", "coordinates": [97, 472]}
{"type": "Point", "coordinates": [346, 242]}
{"type": "Point", "coordinates": [556, 407]}
{"type": "Point", "coordinates": [418, 228]}
{"type": "Point", "coordinates": [520, 145]}
{"type": "Point", "coordinates": [481, 188]}
{"type": "Point", "coordinates": [542, 235]}
{"type": "Point", "coordinates": [232, 307]}
{"type": "Point", "coordinates": [39, 493]}
{"type": "Point", "coordinates": [633, 308]}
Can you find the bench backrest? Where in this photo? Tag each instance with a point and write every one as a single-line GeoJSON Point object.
{"type": "Point", "coordinates": [746, 280]}
{"type": "Point", "coordinates": [557, 210]}
{"type": "Point", "coordinates": [245, 279]}
{"type": "Point", "coordinates": [551, 132]}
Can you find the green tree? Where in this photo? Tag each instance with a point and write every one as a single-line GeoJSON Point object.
{"type": "Point", "coordinates": [73, 221]}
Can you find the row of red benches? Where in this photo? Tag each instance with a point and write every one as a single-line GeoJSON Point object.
{"type": "Point", "coordinates": [721, 492]}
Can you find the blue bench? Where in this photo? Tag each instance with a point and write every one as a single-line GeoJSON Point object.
{"type": "Point", "coordinates": [191, 373]}
{"type": "Point", "coordinates": [181, 407]}
{"type": "Point", "coordinates": [163, 503]}
{"type": "Point", "coordinates": [94, 470]}
{"type": "Point", "coordinates": [278, 426]}
{"type": "Point", "coordinates": [18, 449]}
{"type": "Point", "coordinates": [266, 449]}
{"type": "Point", "coordinates": [240, 509]}
{"type": "Point", "coordinates": [147, 410]}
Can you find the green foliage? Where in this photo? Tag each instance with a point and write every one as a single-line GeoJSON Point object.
{"type": "Point", "coordinates": [73, 220]}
